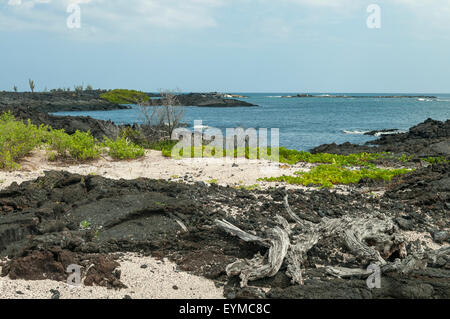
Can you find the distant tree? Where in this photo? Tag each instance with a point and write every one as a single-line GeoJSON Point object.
{"type": "Point", "coordinates": [31, 83]}
{"type": "Point", "coordinates": [15, 88]}
{"type": "Point", "coordinates": [89, 87]}
{"type": "Point", "coordinates": [168, 113]}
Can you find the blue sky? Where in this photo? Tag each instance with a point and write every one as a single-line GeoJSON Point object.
{"type": "Point", "coordinates": [228, 45]}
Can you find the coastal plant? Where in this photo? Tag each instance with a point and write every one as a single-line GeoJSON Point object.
{"type": "Point", "coordinates": [136, 136]}
{"type": "Point", "coordinates": [121, 96]}
{"type": "Point", "coordinates": [170, 112]}
{"type": "Point", "coordinates": [436, 160]}
{"type": "Point", "coordinates": [85, 225]}
{"type": "Point", "coordinates": [81, 146]}
{"type": "Point", "coordinates": [121, 148]}
{"type": "Point", "coordinates": [405, 158]}
{"type": "Point", "coordinates": [31, 84]}
{"type": "Point", "coordinates": [15, 88]}
{"type": "Point", "coordinates": [89, 87]}
{"type": "Point", "coordinates": [329, 175]}
{"type": "Point", "coordinates": [164, 115]}
{"type": "Point", "coordinates": [359, 159]}
{"type": "Point", "coordinates": [165, 147]}
{"type": "Point", "coordinates": [17, 139]}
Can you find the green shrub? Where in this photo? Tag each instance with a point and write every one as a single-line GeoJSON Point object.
{"type": "Point", "coordinates": [81, 146]}
{"type": "Point", "coordinates": [122, 149]}
{"type": "Point", "coordinates": [360, 159]}
{"type": "Point", "coordinates": [164, 146]}
{"type": "Point", "coordinates": [120, 96]}
{"type": "Point", "coordinates": [436, 160]}
{"type": "Point", "coordinates": [17, 139]}
{"type": "Point", "coordinates": [329, 175]}
{"type": "Point", "coordinates": [135, 136]}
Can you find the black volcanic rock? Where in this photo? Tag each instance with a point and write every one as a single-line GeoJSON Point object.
{"type": "Point", "coordinates": [428, 139]}
{"type": "Point", "coordinates": [204, 100]}
{"type": "Point", "coordinates": [60, 101]}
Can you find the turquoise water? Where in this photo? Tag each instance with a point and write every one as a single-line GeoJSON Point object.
{"type": "Point", "coordinates": [308, 122]}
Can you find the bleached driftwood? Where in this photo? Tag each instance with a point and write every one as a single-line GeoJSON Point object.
{"type": "Point", "coordinates": [258, 267]}
{"type": "Point", "coordinates": [368, 237]}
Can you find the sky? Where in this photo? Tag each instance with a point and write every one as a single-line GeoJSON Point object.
{"type": "Point", "coordinates": [401, 46]}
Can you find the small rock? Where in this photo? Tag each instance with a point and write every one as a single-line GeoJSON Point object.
{"type": "Point", "coordinates": [144, 266]}
{"type": "Point", "coordinates": [127, 297]}
{"type": "Point", "coordinates": [55, 294]}
{"type": "Point", "coordinates": [441, 236]}
{"type": "Point", "coordinates": [404, 224]}
{"type": "Point", "coordinates": [175, 287]}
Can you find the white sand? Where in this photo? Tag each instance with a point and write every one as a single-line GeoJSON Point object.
{"type": "Point", "coordinates": [155, 166]}
{"type": "Point", "coordinates": [159, 280]}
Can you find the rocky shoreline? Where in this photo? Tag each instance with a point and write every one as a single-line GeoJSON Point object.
{"type": "Point", "coordinates": [69, 101]}
{"type": "Point", "coordinates": [63, 218]}
{"type": "Point", "coordinates": [427, 139]}
{"type": "Point", "coordinates": [59, 101]}
{"type": "Point", "coordinates": [206, 100]}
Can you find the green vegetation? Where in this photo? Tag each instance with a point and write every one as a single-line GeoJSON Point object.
{"type": "Point", "coordinates": [250, 187]}
{"type": "Point", "coordinates": [404, 158]}
{"type": "Point", "coordinates": [135, 136]}
{"type": "Point", "coordinates": [212, 181]}
{"type": "Point", "coordinates": [121, 96]}
{"type": "Point", "coordinates": [329, 175]}
{"type": "Point", "coordinates": [31, 84]}
{"type": "Point", "coordinates": [436, 160]}
{"type": "Point", "coordinates": [85, 224]}
{"type": "Point", "coordinates": [123, 149]}
{"type": "Point", "coordinates": [80, 146]}
{"type": "Point", "coordinates": [17, 139]}
{"type": "Point", "coordinates": [164, 146]}
{"type": "Point", "coordinates": [360, 159]}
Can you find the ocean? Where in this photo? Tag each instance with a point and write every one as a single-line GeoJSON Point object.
{"type": "Point", "coordinates": [305, 123]}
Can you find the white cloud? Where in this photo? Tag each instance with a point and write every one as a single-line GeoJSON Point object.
{"type": "Point", "coordinates": [109, 15]}
{"type": "Point", "coordinates": [120, 18]}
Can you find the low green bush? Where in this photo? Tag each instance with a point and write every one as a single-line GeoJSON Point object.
{"type": "Point", "coordinates": [135, 136]}
{"type": "Point", "coordinates": [164, 146]}
{"type": "Point", "coordinates": [360, 159]}
{"type": "Point", "coordinates": [329, 175]}
{"type": "Point", "coordinates": [121, 96]}
{"type": "Point", "coordinates": [17, 139]}
{"type": "Point", "coordinates": [123, 149]}
{"type": "Point", "coordinates": [81, 146]}
{"type": "Point", "coordinates": [436, 160]}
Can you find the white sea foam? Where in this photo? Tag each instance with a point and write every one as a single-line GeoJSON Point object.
{"type": "Point", "coordinates": [389, 133]}
{"type": "Point", "coordinates": [355, 132]}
